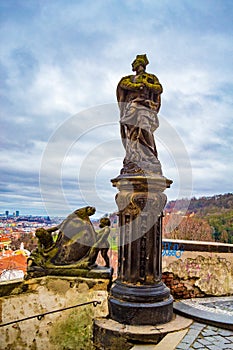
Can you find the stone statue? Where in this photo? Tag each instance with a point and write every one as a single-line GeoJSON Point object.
{"type": "Point", "coordinates": [139, 102]}
{"type": "Point", "coordinates": [138, 296]}
{"type": "Point", "coordinates": [75, 247]}
{"type": "Point", "coordinates": [102, 245]}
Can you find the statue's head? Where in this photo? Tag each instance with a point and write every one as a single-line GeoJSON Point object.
{"type": "Point", "coordinates": [44, 237]}
{"type": "Point", "coordinates": [105, 222]}
{"type": "Point", "coordinates": [85, 212]}
{"type": "Point", "coordinates": [40, 232]}
{"type": "Point", "coordinates": [90, 211]}
{"type": "Point", "coordinates": [140, 60]}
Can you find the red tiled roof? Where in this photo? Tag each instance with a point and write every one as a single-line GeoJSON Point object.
{"type": "Point", "coordinates": [18, 262]}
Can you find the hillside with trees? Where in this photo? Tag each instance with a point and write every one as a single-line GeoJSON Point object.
{"type": "Point", "coordinates": [203, 205]}
{"type": "Point", "coordinates": [207, 219]}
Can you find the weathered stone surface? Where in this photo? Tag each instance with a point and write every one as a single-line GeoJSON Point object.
{"type": "Point", "coordinates": [138, 296]}
{"type": "Point", "coordinates": [215, 311]}
{"type": "Point", "coordinates": [139, 102]}
{"type": "Point", "coordinates": [74, 251]}
{"type": "Point", "coordinates": [112, 335]}
{"type": "Point", "coordinates": [211, 275]}
{"type": "Point", "coordinates": [46, 294]}
{"type": "Point", "coordinates": [14, 287]}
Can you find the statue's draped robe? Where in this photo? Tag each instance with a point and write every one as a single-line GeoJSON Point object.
{"type": "Point", "coordinates": [139, 120]}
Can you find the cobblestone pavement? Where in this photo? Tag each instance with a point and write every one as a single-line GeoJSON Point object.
{"type": "Point", "coordinates": [204, 337]}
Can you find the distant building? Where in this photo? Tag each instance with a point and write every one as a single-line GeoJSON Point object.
{"type": "Point", "coordinates": [7, 213]}
{"type": "Point", "coordinates": [5, 242]}
{"type": "Point", "coordinates": [13, 274]}
{"type": "Point", "coordinates": [17, 213]}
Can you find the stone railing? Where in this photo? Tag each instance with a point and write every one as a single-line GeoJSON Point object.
{"type": "Point", "coordinates": [197, 269]}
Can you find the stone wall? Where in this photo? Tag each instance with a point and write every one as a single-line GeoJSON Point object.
{"type": "Point", "coordinates": [198, 269]}
{"type": "Point", "coordinates": [61, 330]}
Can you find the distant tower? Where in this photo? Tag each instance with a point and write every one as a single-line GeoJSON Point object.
{"type": "Point", "coordinates": [17, 213]}
{"type": "Point", "coordinates": [7, 213]}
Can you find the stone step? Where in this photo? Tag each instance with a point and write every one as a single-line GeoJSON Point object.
{"type": "Point", "coordinates": [170, 341]}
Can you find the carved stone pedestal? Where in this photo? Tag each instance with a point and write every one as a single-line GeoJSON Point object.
{"type": "Point", "coordinates": [138, 296]}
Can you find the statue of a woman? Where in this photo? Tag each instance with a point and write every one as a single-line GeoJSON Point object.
{"type": "Point", "coordinates": [139, 102]}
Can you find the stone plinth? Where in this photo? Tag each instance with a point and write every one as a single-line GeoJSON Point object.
{"type": "Point", "coordinates": [73, 271]}
{"type": "Point", "coordinates": [138, 296]}
{"type": "Point", "coordinates": [111, 335]}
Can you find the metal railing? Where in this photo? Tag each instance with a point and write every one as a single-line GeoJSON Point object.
{"type": "Point", "coordinates": [40, 316]}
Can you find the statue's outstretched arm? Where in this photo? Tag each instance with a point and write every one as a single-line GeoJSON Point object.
{"type": "Point", "coordinates": [52, 229]}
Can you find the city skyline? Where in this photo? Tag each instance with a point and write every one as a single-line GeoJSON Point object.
{"type": "Point", "coordinates": [61, 62]}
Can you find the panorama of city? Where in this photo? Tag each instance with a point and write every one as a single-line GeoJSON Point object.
{"type": "Point", "coordinates": [207, 219]}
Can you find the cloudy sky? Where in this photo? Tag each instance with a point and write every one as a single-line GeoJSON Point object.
{"type": "Point", "coordinates": [60, 63]}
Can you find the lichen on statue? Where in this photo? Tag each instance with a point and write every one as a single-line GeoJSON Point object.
{"type": "Point", "coordinates": [139, 102]}
{"type": "Point", "coordinates": [73, 248]}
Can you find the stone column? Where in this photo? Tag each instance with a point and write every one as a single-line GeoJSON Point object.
{"type": "Point", "coordinates": [138, 296]}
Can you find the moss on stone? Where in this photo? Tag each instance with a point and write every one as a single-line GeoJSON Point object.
{"type": "Point", "coordinates": [74, 331]}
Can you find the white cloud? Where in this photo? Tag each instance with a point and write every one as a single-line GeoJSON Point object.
{"type": "Point", "coordinates": [59, 60]}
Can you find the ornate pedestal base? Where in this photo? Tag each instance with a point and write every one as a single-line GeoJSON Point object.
{"type": "Point", "coordinates": [140, 305]}
{"type": "Point", "coordinates": [138, 296]}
